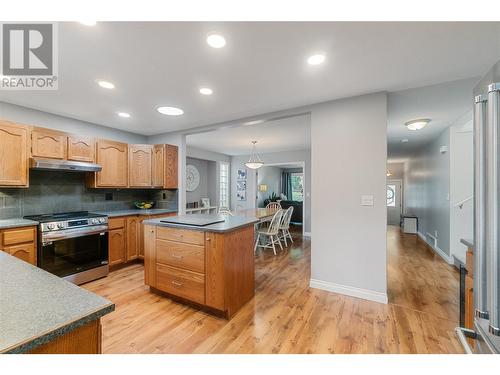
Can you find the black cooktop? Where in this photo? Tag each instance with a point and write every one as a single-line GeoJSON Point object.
{"type": "Point", "coordinates": [60, 216]}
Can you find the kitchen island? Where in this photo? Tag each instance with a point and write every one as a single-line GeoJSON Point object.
{"type": "Point", "coordinates": [210, 266]}
{"type": "Point", "coordinates": [42, 313]}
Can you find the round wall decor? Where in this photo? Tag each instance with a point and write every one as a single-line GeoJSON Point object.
{"type": "Point", "coordinates": [192, 177]}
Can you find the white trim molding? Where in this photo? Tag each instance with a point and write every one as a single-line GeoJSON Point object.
{"type": "Point", "coordinates": [352, 291]}
{"type": "Point", "coordinates": [307, 234]}
{"type": "Point", "coordinates": [447, 258]}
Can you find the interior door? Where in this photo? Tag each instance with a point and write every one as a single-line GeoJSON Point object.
{"type": "Point", "coordinates": [393, 202]}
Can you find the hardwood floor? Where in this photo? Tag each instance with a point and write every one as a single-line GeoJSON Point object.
{"type": "Point", "coordinates": [286, 316]}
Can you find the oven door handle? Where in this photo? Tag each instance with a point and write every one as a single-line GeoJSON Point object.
{"type": "Point", "coordinates": [72, 233]}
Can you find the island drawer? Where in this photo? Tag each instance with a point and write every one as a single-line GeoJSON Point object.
{"type": "Point", "coordinates": [182, 255]}
{"type": "Point", "coordinates": [186, 284]}
{"type": "Point", "coordinates": [181, 235]}
{"type": "Point", "coordinates": [18, 236]}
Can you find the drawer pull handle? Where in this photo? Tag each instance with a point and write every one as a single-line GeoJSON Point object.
{"type": "Point", "coordinates": [209, 239]}
{"type": "Point", "coordinates": [177, 256]}
{"type": "Point", "coordinates": [176, 283]}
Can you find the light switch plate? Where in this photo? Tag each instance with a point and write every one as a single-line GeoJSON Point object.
{"type": "Point", "coordinates": [367, 200]}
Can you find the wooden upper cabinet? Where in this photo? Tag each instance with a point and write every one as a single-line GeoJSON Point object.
{"type": "Point", "coordinates": [158, 166]}
{"type": "Point", "coordinates": [13, 154]}
{"type": "Point", "coordinates": [113, 158]}
{"type": "Point", "coordinates": [46, 143]}
{"type": "Point", "coordinates": [171, 159]}
{"type": "Point", "coordinates": [139, 165]}
{"type": "Point", "coordinates": [81, 149]}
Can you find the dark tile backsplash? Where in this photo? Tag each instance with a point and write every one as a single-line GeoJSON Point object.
{"type": "Point", "coordinates": [55, 191]}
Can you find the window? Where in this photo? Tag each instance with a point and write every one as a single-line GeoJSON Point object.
{"type": "Point", "coordinates": [224, 184]}
{"type": "Point", "coordinates": [297, 187]}
{"type": "Point", "coordinates": [391, 195]}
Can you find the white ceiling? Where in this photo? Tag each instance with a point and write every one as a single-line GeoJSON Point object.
{"type": "Point", "coordinates": [262, 68]}
{"type": "Point", "coordinates": [293, 133]}
{"type": "Point", "coordinates": [443, 104]}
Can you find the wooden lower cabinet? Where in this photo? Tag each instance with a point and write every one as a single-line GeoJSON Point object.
{"type": "Point", "coordinates": [20, 243]}
{"type": "Point", "coordinates": [126, 238]}
{"type": "Point", "coordinates": [82, 340]}
{"type": "Point", "coordinates": [215, 270]}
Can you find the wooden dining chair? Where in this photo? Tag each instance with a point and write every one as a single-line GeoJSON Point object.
{"type": "Point", "coordinates": [270, 234]}
{"type": "Point", "coordinates": [285, 225]}
{"type": "Point", "coordinates": [273, 206]}
{"type": "Point", "coordinates": [224, 211]}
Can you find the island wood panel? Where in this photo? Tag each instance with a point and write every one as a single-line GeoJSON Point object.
{"type": "Point", "coordinates": [82, 340]}
{"type": "Point", "coordinates": [81, 149]}
{"type": "Point", "coordinates": [13, 154]}
{"type": "Point", "coordinates": [182, 283]}
{"type": "Point", "coordinates": [113, 158]}
{"type": "Point", "coordinates": [171, 167]}
{"type": "Point", "coordinates": [140, 166]}
{"type": "Point", "coordinates": [47, 143]}
{"type": "Point", "coordinates": [181, 255]}
{"type": "Point", "coordinates": [158, 166]}
{"type": "Point", "coordinates": [150, 255]}
{"type": "Point", "coordinates": [214, 274]}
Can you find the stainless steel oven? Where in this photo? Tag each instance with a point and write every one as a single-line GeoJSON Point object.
{"type": "Point", "coordinates": [73, 246]}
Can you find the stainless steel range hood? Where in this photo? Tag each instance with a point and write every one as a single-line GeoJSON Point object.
{"type": "Point", "coordinates": [63, 165]}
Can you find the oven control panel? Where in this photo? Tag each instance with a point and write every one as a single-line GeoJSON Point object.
{"type": "Point", "coordinates": [73, 224]}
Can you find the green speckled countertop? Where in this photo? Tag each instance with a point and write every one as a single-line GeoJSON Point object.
{"type": "Point", "coordinates": [36, 307]}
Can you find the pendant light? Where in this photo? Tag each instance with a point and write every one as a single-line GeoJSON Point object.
{"type": "Point", "coordinates": [254, 162]}
{"type": "Point", "coordinates": [388, 173]}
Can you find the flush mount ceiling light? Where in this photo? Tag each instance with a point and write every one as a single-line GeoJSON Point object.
{"type": "Point", "coordinates": [254, 162]}
{"type": "Point", "coordinates": [123, 114]}
{"type": "Point", "coordinates": [105, 84]}
{"type": "Point", "coordinates": [316, 59]}
{"type": "Point", "coordinates": [170, 111]}
{"type": "Point", "coordinates": [206, 91]}
{"type": "Point", "coordinates": [216, 40]}
{"type": "Point", "coordinates": [88, 23]}
{"type": "Point", "coordinates": [417, 124]}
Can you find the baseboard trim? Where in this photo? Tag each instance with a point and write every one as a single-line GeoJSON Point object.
{"type": "Point", "coordinates": [351, 291]}
{"type": "Point", "coordinates": [437, 250]}
{"type": "Point", "coordinates": [307, 234]}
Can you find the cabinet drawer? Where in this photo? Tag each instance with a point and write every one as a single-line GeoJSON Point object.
{"type": "Point", "coordinates": [186, 284]}
{"type": "Point", "coordinates": [18, 236]}
{"type": "Point", "coordinates": [26, 252]}
{"type": "Point", "coordinates": [181, 235]}
{"type": "Point", "coordinates": [116, 223]}
{"type": "Point", "coordinates": [182, 255]}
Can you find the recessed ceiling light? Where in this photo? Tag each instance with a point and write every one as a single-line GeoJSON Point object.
{"type": "Point", "coordinates": [316, 59]}
{"type": "Point", "coordinates": [405, 140]}
{"type": "Point", "coordinates": [106, 84]}
{"type": "Point", "coordinates": [170, 111]}
{"type": "Point", "coordinates": [88, 23]}
{"type": "Point", "coordinates": [206, 91]}
{"type": "Point", "coordinates": [123, 114]}
{"type": "Point", "coordinates": [216, 41]}
{"type": "Point", "coordinates": [417, 124]}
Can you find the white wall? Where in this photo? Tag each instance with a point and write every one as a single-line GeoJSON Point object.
{"type": "Point", "coordinates": [34, 117]}
{"type": "Point", "coordinates": [270, 176]}
{"type": "Point", "coordinates": [461, 186]}
{"type": "Point", "coordinates": [427, 194]}
{"type": "Point", "coordinates": [349, 153]}
{"type": "Point", "coordinates": [238, 162]}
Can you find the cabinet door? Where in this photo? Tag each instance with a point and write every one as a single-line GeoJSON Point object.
{"type": "Point", "coordinates": [140, 251]}
{"type": "Point", "coordinates": [158, 167]}
{"type": "Point", "coordinates": [26, 252]}
{"type": "Point", "coordinates": [133, 240]}
{"type": "Point", "coordinates": [81, 149]}
{"type": "Point", "coordinates": [171, 155]}
{"type": "Point", "coordinates": [46, 143]}
{"type": "Point", "coordinates": [139, 165]}
{"type": "Point", "coordinates": [113, 158]}
{"type": "Point", "coordinates": [117, 246]}
{"type": "Point", "coordinates": [13, 154]}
